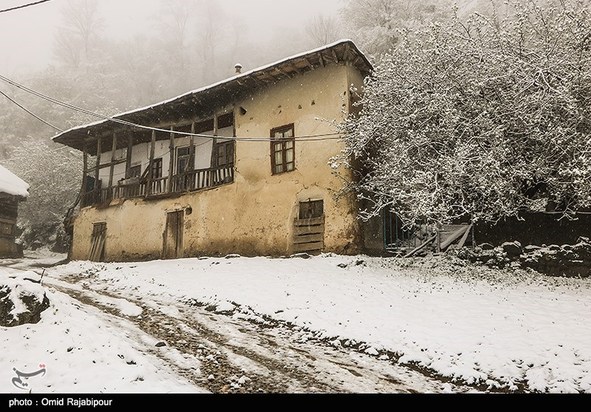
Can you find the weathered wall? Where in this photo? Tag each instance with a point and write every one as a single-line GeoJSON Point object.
{"type": "Point", "coordinates": [8, 248]}
{"type": "Point", "coordinates": [255, 214]}
{"type": "Point", "coordinates": [8, 216]}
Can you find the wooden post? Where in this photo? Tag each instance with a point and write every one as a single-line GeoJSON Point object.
{"type": "Point", "coordinates": [84, 176]}
{"type": "Point", "coordinates": [151, 163]}
{"type": "Point", "coordinates": [113, 158]}
{"type": "Point", "coordinates": [213, 162]}
{"type": "Point", "coordinates": [96, 189]}
{"type": "Point", "coordinates": [129, 152]}
{"type": "Point", "coordinates": [171, 163]}
{"type": "Point", "coordinates": [438, 239]}
{"type": "Point", "coordinates": [192, 148]}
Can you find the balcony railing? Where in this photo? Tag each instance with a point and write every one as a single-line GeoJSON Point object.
{"type": "Point", "coordinates": [142, 188]}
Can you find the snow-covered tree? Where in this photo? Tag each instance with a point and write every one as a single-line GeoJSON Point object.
{"type": "Point", "coordinates": [376, 25]}
{"type": "Point", "coordinates": [483, 118]}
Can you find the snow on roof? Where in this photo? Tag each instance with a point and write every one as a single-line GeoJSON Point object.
{"type": "Point", "coordinates": [220, 83]}
{"type": "Point", "coordinates": [12, 184]}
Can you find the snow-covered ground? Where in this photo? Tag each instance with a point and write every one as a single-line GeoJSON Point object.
{"type": "Point", "coordinates": [510, 329]}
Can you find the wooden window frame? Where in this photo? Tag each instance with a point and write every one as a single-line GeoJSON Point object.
{"type": "Point", "coordinates": [311, 209]}
{"type": "Point", "coordinates": [228, 159]}
{"type": "Point", "coordinates": [156, 165]}
{"type": "Point", "coordinates": [274, 141]}
{"type": "Point", "coordinates": [187, 157]}
{"type": "Point", "coordinates": [134, 171]}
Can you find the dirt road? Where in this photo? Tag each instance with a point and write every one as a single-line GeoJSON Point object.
{"type": "Point", "coordinates": [236, 355]}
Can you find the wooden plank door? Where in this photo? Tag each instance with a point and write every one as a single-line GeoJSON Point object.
{"type": "Point", "coordinates": [309, 228]}
{"type": "Point", "coordinates": [173, 235]}
{"type": "Point", "coordinates": [97, 243]}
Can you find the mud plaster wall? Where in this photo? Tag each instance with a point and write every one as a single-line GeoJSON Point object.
{"type": "Point", "coordinates": [8, 248]}
{"type": "Point", "coordinates": [255, 214]}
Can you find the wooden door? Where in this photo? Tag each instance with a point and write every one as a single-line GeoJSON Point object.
{"type": "Point", "coordinates": [97, 243]}
{"type": "Point", "coordinates": [173, 235]}
{"type": "Point", "coordinates": [309, 228]}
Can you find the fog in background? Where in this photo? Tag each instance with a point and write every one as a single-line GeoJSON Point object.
{"type": "Point", "coordinates": [264, 26]}
{"type": "Point", "coordinates": [110, 56]}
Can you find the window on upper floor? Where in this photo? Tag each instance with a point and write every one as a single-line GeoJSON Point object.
{"type": "Point", "coordinates": [157, 168]}
{"type": "Point", "coordinates": [282, 149]}
{"type": "Point", "coordinates": [223, 154]}
{"type": "Point", "coordinates": [134, 171]}
{"type": "Point", "coordinates": [183, 160]}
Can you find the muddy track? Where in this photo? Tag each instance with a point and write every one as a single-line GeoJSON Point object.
{"type": "Point", "coordinates": [232, 355]}
{"type": "Point", "coordinates": [240, 356]}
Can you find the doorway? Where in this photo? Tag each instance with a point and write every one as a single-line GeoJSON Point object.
{"type": "Point", "coordinates": [97, 243]}
{"type": "Point", "coordinates": [173, 235]}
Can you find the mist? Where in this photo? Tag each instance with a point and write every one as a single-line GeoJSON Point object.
{"type": "Point", "coordinates": [29, 34]}
{"type": "Point", "coordinates": [110, 56]}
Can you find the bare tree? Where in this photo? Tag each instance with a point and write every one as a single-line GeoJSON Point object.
{"type": "Point", "coordinates": [82, 24]}
{"type": "Point", "coordinates": [323, 30]}
{"type": "Point", "coordinates": [376, 24]}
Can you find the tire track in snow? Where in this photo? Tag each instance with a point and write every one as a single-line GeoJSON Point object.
{"type": "Point", "coordinates": [239, 356]}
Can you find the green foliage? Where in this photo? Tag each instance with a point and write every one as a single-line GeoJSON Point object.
{"type": "Point", "coordinates": [482, 117]}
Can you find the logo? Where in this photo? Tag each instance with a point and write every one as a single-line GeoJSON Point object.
{"type": "Point", "coordinates": [21, 378]}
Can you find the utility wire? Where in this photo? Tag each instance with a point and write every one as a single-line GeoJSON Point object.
{"type": "Point", "coordinates": [317, 137]}
{"type": "Point", "coordinates": [31, 113]}
{"type": "Point", "coordinates": [23, 6]}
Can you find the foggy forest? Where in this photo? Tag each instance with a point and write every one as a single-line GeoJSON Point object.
{"type": "Point", "coordinates": [192, 43]}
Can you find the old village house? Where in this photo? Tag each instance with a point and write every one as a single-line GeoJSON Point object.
{"type": "Point", "coordinates": [241, 166]}
{"type": "Point", "coordinates": [12, 191]}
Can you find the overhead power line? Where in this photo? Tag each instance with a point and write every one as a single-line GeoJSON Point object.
{"type": "Point", "coordinates": [31, 113]}
{"type": "Point", "coordinates": [317, 137]}
{"type": "Point", "coordinates": [24, 5]}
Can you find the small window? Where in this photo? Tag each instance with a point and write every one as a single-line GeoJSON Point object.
{"type": "Point", "coordinates": [183, 160]}
{"type": "Point", "coordinates": [157, 168]}
{"type": "Point", "coordinates": [311, 209]}
{"type": "Point", "coordinates": [224, 154]}
{"type": "Point", "coordinates": [134, 171]}
{"type": "Point", "coordinates": [283, 149]}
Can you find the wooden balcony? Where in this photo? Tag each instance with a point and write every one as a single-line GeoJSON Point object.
{"type": "Point", "coordinates": [152, 188]}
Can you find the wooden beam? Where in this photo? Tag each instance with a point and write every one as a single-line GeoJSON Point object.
{"type": "Point", "coordinates": [98, 165]}
{"type": "Point", "coordinates": [171, 163]}
{"type": "Point", "coordinates": [192, 148]}
{"type": "Point", "coordinates": [455, 236]}
{"type": "Point", "coordinates": [334, 54]}
{"type": "Point", "coordinates": [128, 154]}
{"type": "Point", "coordinates": [465, 237]}
{"type": "Point", "coordinates": [113, 158]}
{"type": "Point", "coordinates": [418, 249]}
{"type": "Point", "coordinates": [151, 163]}
{"type": "Point", "coordinates": [105, 165]}
{"type": "Point", "coordinates": [84, 173]}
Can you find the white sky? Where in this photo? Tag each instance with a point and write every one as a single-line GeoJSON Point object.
{"type": "Point", "coordinates": [466, 322]}
{"type": "Point", "coordinates": [27, 34]}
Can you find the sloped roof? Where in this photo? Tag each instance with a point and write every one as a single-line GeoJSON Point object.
{"type": "Point", "coordinates": [12, 184]}
{"type": "Point", "coordinates": [203, 100]}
